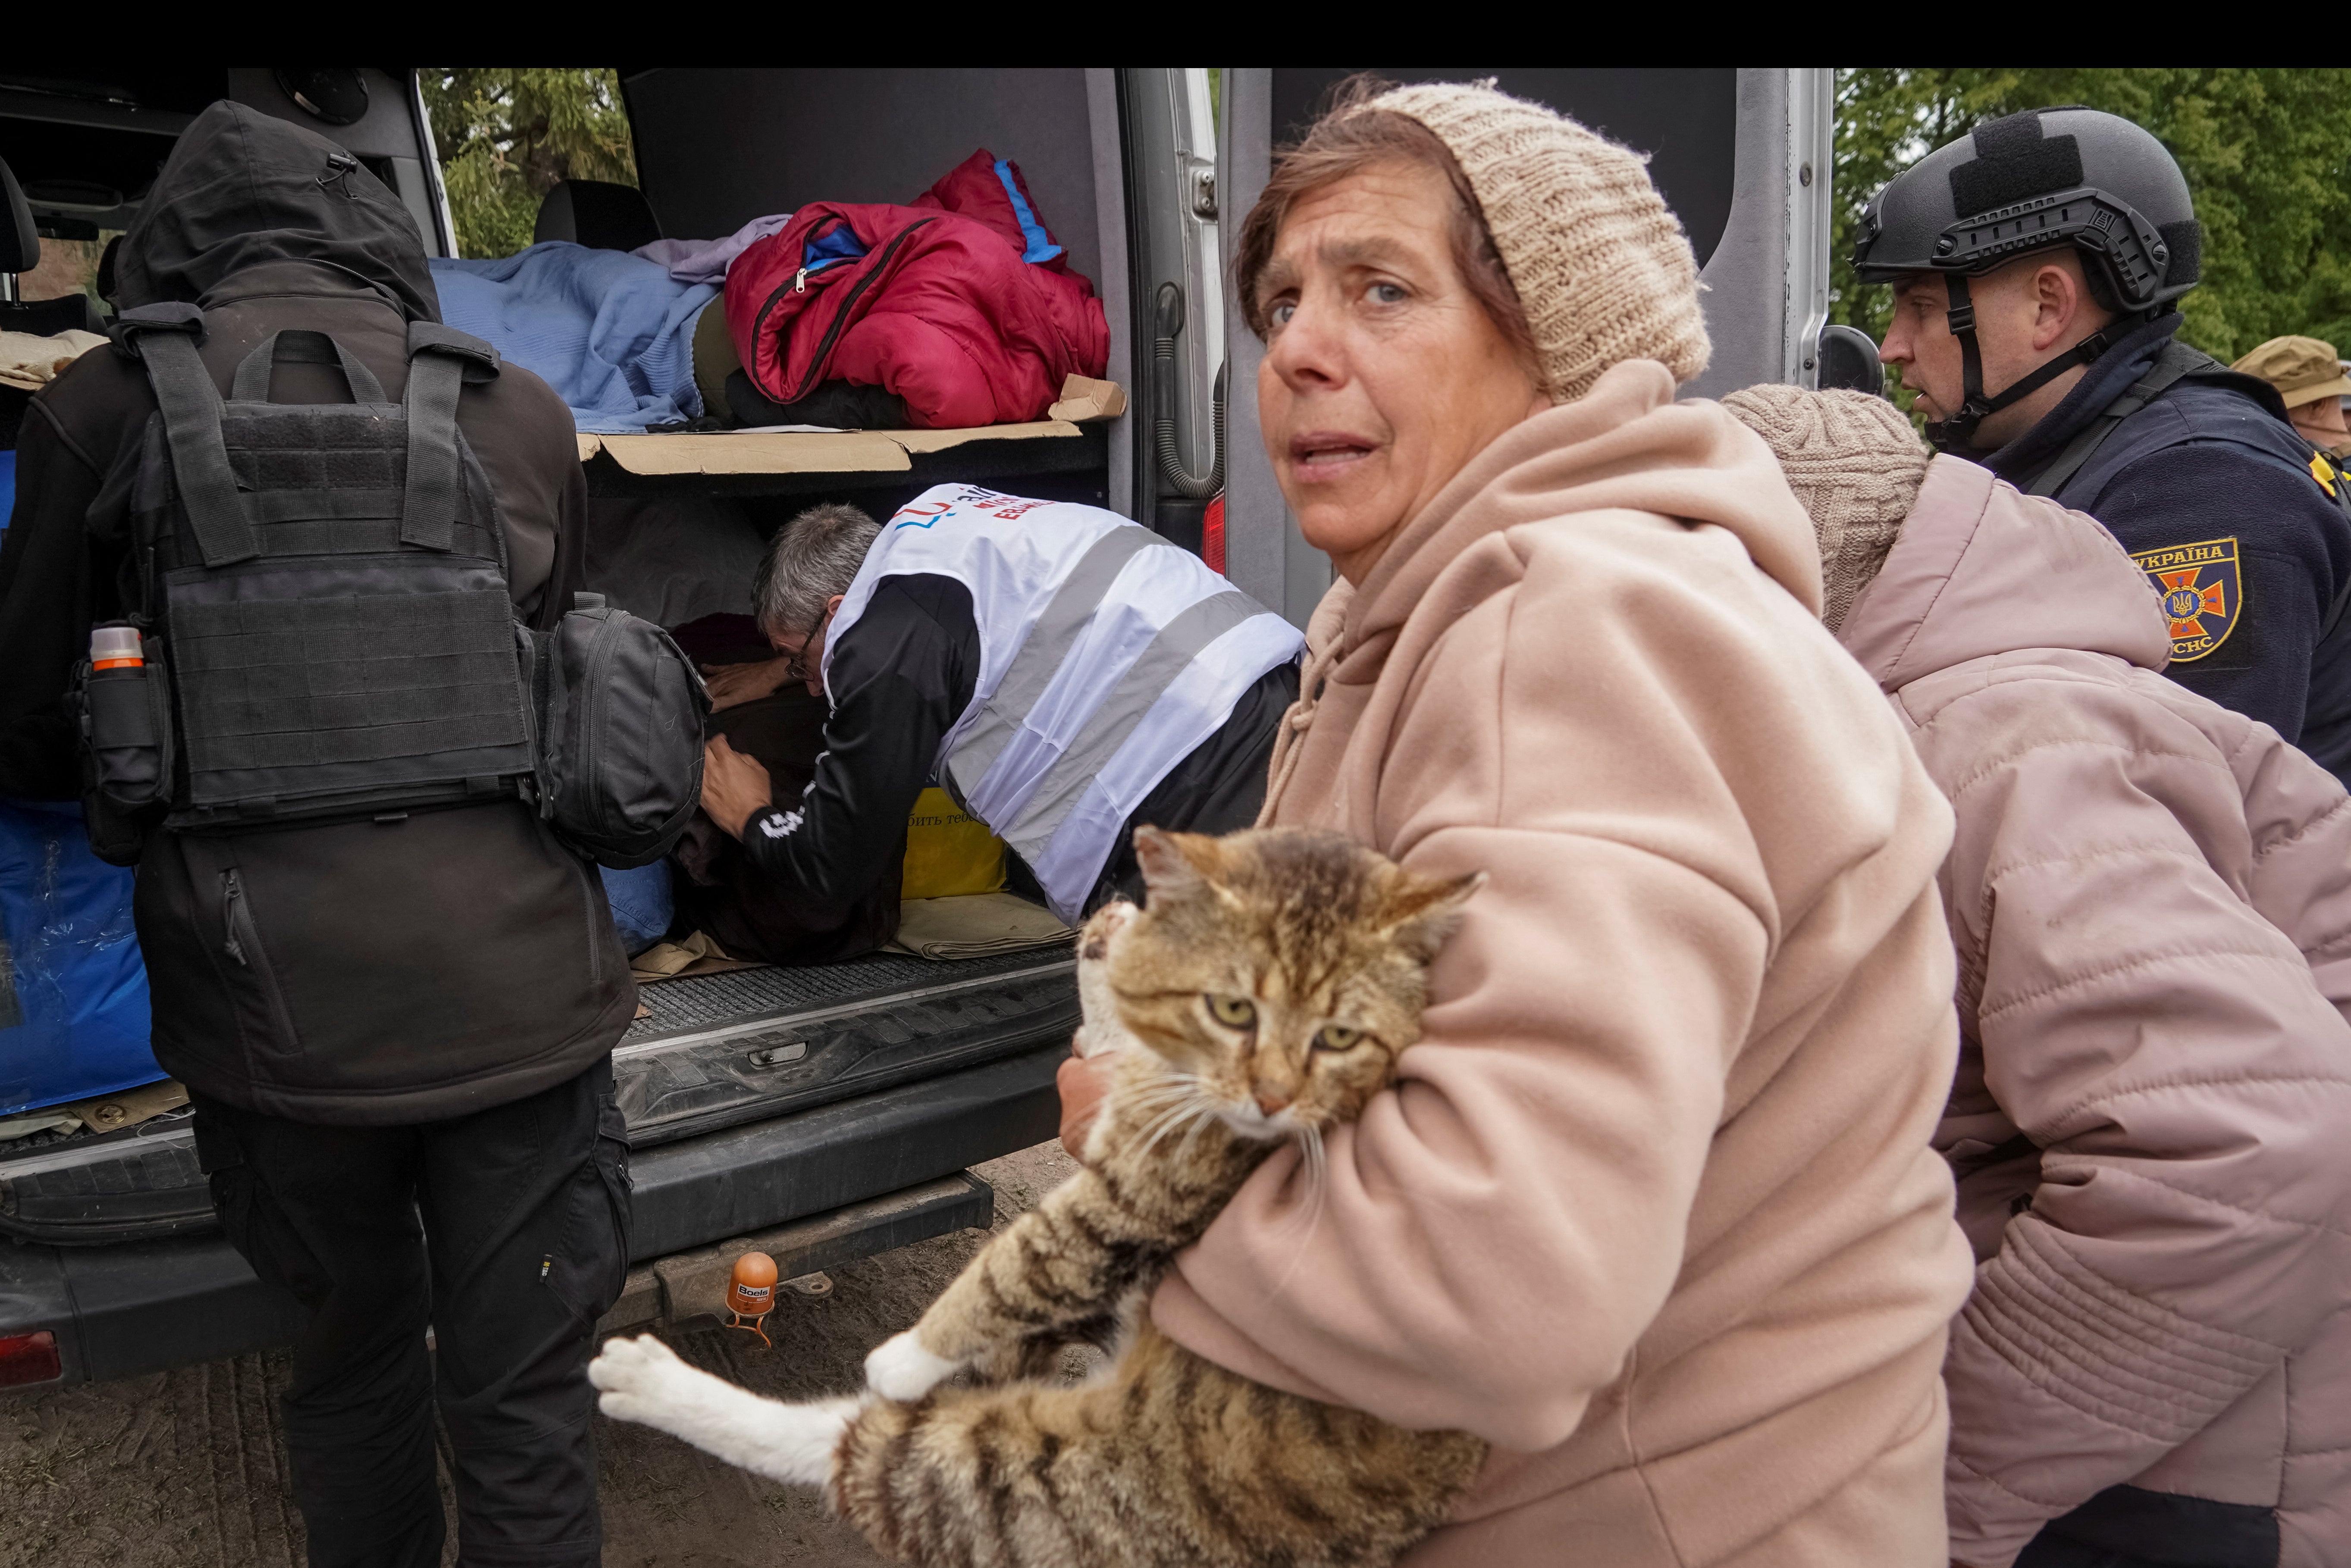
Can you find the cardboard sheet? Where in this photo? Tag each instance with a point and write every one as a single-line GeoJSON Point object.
{"type": "Point", "coordinates": [1084, 398]}
{"type": "Point", "coordinates": [976, 925]}
{"type": "Point", "coordinates": [130, 1107]}
{"type": "Point", "coordinates": [697, 954]}
{"type": "Point", "coordinates": [839, 451]}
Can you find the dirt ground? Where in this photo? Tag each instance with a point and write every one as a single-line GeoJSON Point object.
{"type": "Point", "coordinates": [185, 1469]}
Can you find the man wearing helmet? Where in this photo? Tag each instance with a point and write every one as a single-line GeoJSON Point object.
{"type": "Point", "coordinates": [2034, 265]}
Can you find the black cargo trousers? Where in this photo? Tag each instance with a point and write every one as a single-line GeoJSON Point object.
{"type": "Point", "coordinates": [507, 1232]}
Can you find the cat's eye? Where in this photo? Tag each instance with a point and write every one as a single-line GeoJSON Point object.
{"type": "Point", "coordinates": [1336, 1037]}
{"type": "Point", "coordinates": [1234, 1013]}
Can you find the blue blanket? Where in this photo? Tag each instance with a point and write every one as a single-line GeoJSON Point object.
{"type": "Point", "coordinates": [611, 333]}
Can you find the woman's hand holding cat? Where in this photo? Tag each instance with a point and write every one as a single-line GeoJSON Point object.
{"type": "Point", "coordinates": [1082, 1080]}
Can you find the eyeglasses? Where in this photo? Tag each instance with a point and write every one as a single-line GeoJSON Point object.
{"type": "Point", "coordinates": [796, 668]}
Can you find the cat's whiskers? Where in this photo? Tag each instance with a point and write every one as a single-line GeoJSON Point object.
{"type": "Point", "coordinates": [1179, 1117]}
{"type": "Point", "coordinates": [1184, 1154]}
{"type": "Point", "coordinates": [1174, 1087]}
{"type": "Point", "coordinates": [1172, 1115]}
{"type": "Point", "coordinates": [1173, 1090]}
{"type": "Point", "coordinates": [1313, 1161]}
{"type": "Point", "coordinates": [1193, 1110]}
{"type": "Point", "coordinates": [1314, 1168]}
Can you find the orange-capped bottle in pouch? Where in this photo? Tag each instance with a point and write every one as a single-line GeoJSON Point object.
{"type": "Point", "coordinates": [116, 648]}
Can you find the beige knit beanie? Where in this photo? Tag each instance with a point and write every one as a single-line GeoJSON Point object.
{"type": "Point", "coordinates": [1600, 263]}
{"type": "Point", "coordinates": [1855, 463]}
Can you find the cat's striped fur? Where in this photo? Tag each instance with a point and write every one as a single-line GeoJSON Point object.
{"type": "Point", "coordinates": [1264, 995]}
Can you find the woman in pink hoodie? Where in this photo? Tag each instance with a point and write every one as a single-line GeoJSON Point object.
{"type": "Point", "coordinates": [2151, 899]}
{"type": "Point", "coordinates": [1653, 1207]}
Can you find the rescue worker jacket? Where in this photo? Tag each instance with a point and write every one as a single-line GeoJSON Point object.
{"type": "Point", "coordinates": [1055, 668]}
{"type": "Point", "coordinates": [2215, 495]}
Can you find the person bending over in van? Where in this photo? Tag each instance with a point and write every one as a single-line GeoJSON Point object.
{"type": "Point", "coordinates": [2152, 900]}
{"type": "Point", "coordinates": [1064, 674]}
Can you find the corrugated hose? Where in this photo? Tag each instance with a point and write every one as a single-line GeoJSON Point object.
{"type": "Point", "coordinates": [1173, 476]}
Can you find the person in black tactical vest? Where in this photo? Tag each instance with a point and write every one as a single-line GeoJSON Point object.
{"type": "Point", "coordinates": [2035, 264]}
{"type": "Point", "coordinates": [391, 990]}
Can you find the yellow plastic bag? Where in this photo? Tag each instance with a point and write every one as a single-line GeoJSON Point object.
{"type": "Point", "coordinates": [949, 853]}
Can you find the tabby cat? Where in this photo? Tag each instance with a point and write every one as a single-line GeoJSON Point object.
{"type": "Point", "coordinates": [1262, 996]}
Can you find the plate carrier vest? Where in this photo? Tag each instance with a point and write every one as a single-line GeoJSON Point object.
{"type": "Point", "coordinates": [328, 582]}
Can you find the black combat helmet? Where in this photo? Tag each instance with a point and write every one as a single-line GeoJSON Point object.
{"type": "Point", "coordinates": [2029, 181]}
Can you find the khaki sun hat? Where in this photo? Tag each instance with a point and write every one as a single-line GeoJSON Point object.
{"type": "Point", "coordinates": [2304, 369]}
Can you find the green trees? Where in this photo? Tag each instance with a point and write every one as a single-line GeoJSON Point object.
{"type": "Point", "coordinates": [2267, 153]}
{"type": "Point", "coordinates": [506, 136]}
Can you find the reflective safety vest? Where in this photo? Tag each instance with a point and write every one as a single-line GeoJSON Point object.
{"type": "Point", "coordinates": [1106, 655]}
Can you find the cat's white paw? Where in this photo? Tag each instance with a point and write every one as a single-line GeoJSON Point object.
{"type": "Point", "coordinates": [642, 1380]}
{"type": "Point", "coordinates": [1100, 1032]}
{"type": "Point", "coordinates": [1104, 925]}
{"type": "Point", "coordinates": [900, 1368]}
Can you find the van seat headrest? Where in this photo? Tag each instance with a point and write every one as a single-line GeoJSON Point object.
{"type": "Point", "coordinates": [596, 214]}
{"type": "Point", "coordinates": [20, 242]}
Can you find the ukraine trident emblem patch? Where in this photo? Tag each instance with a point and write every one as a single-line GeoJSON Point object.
{"type": "Point", "coordinates": [2203, 595]}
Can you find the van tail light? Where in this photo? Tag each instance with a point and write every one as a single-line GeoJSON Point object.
{"type": "Point", "coordinates": [29, 1358]}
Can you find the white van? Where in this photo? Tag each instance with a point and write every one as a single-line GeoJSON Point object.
{"type": "Point", "coordinates": [830, 1112]}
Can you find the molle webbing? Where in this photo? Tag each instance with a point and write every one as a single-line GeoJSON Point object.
{"type": "Point", "coordinates": [284, 696]}
{"type": "Point", "coordinates": [361, 651]}
{"type": "Point", "coordinates": [307, 473]}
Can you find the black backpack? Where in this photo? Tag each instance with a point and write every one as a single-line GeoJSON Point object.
{"type": "Point", "coordinates": [328, 633]}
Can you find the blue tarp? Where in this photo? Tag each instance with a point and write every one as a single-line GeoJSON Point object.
{"type": "Point", "coordinates": [73, 990]}
{"type": "Point", "coordinates": [611, 333]}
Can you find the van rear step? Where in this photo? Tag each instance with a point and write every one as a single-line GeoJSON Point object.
{"type": "Point", "coordinates": [713, 1051]}
{"type": "Point", "coordinates": [718, 1051]}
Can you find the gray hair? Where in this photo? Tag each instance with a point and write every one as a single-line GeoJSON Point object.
{"type": "Point", "coordinates": [815, 555]}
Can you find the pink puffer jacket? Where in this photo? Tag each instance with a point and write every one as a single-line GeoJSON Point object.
{"type": "Point", "coordinates": [2151, 1123]}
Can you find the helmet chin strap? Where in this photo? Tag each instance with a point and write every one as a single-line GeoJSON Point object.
{"type": "Point", "coordinates": [1957, 434]}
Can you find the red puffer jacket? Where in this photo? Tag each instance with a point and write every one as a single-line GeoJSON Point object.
{"type": "Point", "coordinates": [961, 304]}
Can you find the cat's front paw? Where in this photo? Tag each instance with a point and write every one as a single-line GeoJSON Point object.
{"type": "Point", "coordinates": [900, 1368]}
{"type": "Point", "coordinates": [1102, 926]}
{"type": "Point", "coordinates": [644, 1381]}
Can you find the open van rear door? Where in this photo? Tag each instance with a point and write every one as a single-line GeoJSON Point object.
{"type": "Point", "coordinates": [1742, 156]}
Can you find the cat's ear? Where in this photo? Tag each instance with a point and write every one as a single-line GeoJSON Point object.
{"type": "Point", "coordinates": [1420, 911]}
{"type": "Point", "coordinates": [1174, 865]}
